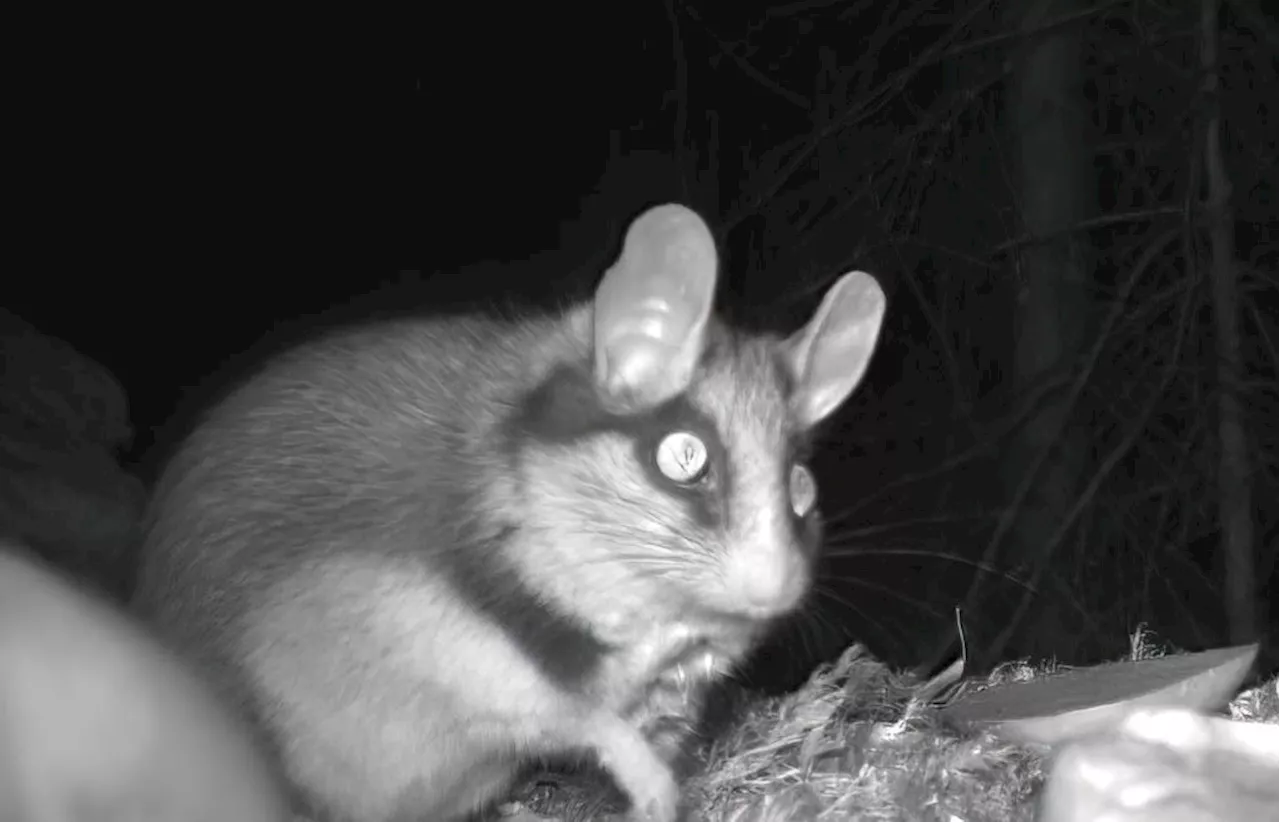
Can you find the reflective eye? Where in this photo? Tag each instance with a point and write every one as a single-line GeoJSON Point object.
{"type": "Point", "coordinates": [682, 457]}
{"type": "Point", "coordinates": [804, 490]}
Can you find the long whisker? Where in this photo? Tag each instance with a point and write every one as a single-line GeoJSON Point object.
{"type": "Point", "coordinates": [834, 597]}
{"type": "Point", "coordinates": [910, 600]}
{"type": "Point", "coordinates": [850, 551]}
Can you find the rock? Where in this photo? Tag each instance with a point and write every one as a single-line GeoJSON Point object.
{"type": "Point", "coordinates": [101, 723]}
{"type": "Point", "coordinates": [63, 419]}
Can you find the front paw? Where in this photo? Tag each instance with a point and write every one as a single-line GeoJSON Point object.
{"type": "Point", "coordinates": [647, 781]}
{"type": "Point", "coordinates": [659, 803]}
{"type": "Point", "coordinates": [651, 787]}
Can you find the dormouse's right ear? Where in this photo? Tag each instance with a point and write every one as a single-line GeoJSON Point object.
{"type": "Point", "coordinates": [830, 355]}
{"type": "Point", "coordinates": [652, 307]}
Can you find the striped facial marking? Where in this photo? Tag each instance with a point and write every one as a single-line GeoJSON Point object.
{"type": "Point", "coordinates": [704, 494]}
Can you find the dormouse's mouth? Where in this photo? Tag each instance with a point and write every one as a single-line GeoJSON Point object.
{"type": "Point", "coordinates": [739, 616]}
{"type": "Point", "coordinates": [727, 633]}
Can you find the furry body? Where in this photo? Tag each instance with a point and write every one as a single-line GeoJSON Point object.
{"type": "Point", "coordinates": [421, 553]}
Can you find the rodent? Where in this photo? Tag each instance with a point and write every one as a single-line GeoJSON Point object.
{"type": "Point", "coordinates": [99, 724]}
{"type": "Point", "coordinates": [421, 553]}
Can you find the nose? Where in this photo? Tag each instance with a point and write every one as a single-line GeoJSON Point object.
{"type": "Point", "coordinates": [769, 581]}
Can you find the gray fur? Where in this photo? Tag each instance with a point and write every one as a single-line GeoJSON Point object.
{"type": "Point", "coordinates": [419, 553]}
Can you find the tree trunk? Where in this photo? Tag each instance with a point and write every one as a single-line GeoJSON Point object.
{"type": "Point", "coordinates": [1235, 509]}
{"type": "Point", "coordinates": [1046, 121]}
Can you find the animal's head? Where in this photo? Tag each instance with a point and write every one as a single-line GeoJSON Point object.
{"type": "Point", "coordinates": [671, 463]}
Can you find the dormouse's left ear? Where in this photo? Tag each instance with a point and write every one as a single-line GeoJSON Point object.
{"type": "Point", "coordinates": [652, 308]}
{"type": "Point", "coordinates": [829, 356]}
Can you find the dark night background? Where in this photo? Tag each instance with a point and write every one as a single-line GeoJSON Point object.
{"type": "Point", "coordinates": [189, 188]}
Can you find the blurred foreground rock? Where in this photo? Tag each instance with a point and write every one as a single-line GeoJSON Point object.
{"type": "Point", "coordinates": [63, 420]}
{"type": "Point", "coordinates": [100, 723]}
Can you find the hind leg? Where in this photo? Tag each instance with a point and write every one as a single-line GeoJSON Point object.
{"type": "Point", "coordinates": [377, 770]}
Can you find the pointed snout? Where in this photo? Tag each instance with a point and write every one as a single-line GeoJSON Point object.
{"type": "Point", "coordinates": [767, 581]}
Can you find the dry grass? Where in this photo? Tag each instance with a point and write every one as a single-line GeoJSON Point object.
{"type": "Point", "coordinates": [856, 742]}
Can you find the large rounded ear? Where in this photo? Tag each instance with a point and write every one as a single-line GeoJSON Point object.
{"type": "Point", "coordinates": [829, 356]}
{"type": "Point", "coordinates": [652, 307]}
